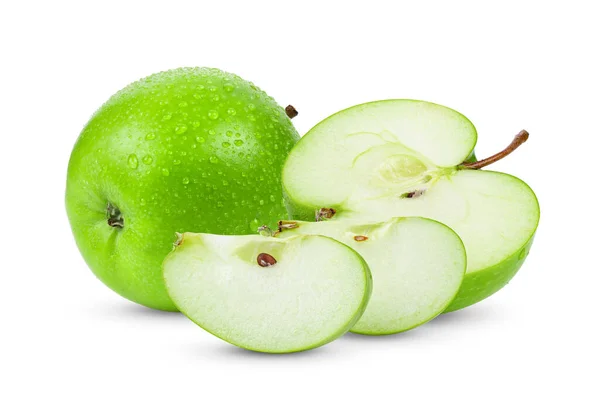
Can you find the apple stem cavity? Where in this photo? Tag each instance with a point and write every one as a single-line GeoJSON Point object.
{"type": "Point", "coordinates": [325, 213]}
{"type": "Point", "coordinates": [114, 216]}
{"type": "Point", "coordinates": [265, 260]}
{"type": "Point", "coordinates": [519, 139]}
{"type": "Point", "coordinates": [360, 238]}
{"type": "Point", "coordinates": [291, 111]}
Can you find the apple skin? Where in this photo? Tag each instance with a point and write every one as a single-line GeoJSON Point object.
{"type": "Point", "coordinates": [191, 149]}
{"type": "Point", "coordinates": [477, 286]}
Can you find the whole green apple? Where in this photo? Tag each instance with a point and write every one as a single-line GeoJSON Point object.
{"type": "Point", "coordinates": [191, 149]}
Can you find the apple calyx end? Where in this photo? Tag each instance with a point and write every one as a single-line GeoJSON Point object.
{"type": "Point", "coordinates": [324, 213]}
{"type": "Point", "coordinates": [360, 238]}
{"type": "Point", "coordinates": [265, 260]}
{"type": "Point", "coordinates": [114, 217]}
{"type": "Point", "coordinates": [518, 140]}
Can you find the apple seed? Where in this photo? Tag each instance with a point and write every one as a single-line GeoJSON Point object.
{"type": "Point", "coordinates": [265, 260]}
{"type": "Point", "coordinates": [324, 213]}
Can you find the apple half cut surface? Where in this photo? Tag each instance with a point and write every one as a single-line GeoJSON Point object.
{"type": "Point", "coordinates": [417, 264]}
{"type": "Point", "coordinates": [405, 158]}
{"type": "Point", "coordinates": [268, 294]}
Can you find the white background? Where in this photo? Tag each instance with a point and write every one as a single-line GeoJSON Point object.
{"type": "Point", "coordinates": [506, 65]}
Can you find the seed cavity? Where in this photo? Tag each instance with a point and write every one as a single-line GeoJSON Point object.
{"type": "Point", "coordinates": [265, 260]}
{"type": "Point", "coordinates": [412, 194]}
{"type": "Point", "coordinates": [325, 213]}
{"type": "Point", "coordinates": [360, 238]}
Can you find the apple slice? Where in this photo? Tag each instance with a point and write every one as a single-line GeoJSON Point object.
{"type": "Point", "coordinates": [418, 266]}
{"type": "Point", "coordinates": [405, 158]}
{"type": "Point", "coordinates": [268, 294]}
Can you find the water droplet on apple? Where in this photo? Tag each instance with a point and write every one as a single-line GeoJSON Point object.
{"type": "Point", "coordinates": [214, 159]}
{"type": "Point", "coordinates": [212, 88]}
{"type": "Point", "coordinates": [272, 198]}
{"type": "Point", "coordinates": [132, 161]}
{"type": "Point", "coordinates": [211, 132]}
{"type": "Point", "coordinates": [185, 181]}
{"type": "Point", "coordinates": [147, 159]}
{"type": "Point", "coordinates": [181, 129]}
{"type": "Point", "coordinates": [177, 162]}
{"type": "Point", "coordinates": [150, 136]}
{"type": "Point", "coordinates": [238, 142]}
{"type": "Point", "coordinates": [229, 134]}
{"type": "Point", "coordinates": [261, 202]}
{"type": "Point", "coordinates": [254, 224]}
{"type": "Point", "coordinates": [165, 172]}
{"type": "Point", "coordinates": [251, 106]}
{"type": "Point", "coordinates": [228, 87]}
{"type": "Point", "coordinates": [167, 116]}
{"type": "Point", "coordinates": [226, 144]}
{"type": "Point", "coordinates": [231, 111]}
{"type": "Point", "coordinates": [200, 139]}
{"type": "Point", "coordinates": [183, 104]}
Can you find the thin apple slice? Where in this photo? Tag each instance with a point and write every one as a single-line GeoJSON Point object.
{"type": "Point", "coordinates": [418, 266]}
{"type": "Point", "coordinates": [404, 158]}
{"type": "Point", "coordinates": [268, 294]}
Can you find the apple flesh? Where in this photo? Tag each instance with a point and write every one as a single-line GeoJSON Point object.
{"type": "Point", "coordinates": [268, 294]}
{"type": "Point", "coordinates": [405, 158]}
{"type": "Point", "coordinates": [417, 264]}
{"type": "Point", "coordinates": [191, 149]}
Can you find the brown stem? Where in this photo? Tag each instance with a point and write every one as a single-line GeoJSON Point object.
{"type": "Point", "coordinates": [291, 111]}
{"type": "Point", "coordinates": [520, 138]}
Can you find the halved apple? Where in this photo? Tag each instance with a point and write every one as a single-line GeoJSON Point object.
{"type": "Point", "coordinates": [418, 266]}
{"type": "Point", "coordinates": [268, 294]}
{"type": "Point", "coordinates": [405, 158]}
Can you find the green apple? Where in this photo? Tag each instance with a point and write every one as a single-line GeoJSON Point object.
{"type": "Point", "coordinates": [268, 294]}
{"type": "Point", "coordinates": [405, 158]}
{"type": "Point", "coordinates": [417, 264]}
{"type": "Point", "coordinates": [191, 149]}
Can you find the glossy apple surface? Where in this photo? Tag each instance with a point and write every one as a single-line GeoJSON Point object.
{"type": "Point", "coordinates": [191, 149]}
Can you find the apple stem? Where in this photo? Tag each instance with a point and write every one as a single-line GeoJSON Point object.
{"type": "Point", "coordinates": [291, 111]}
{"type": "Point", "coordinates": [519, 139]}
